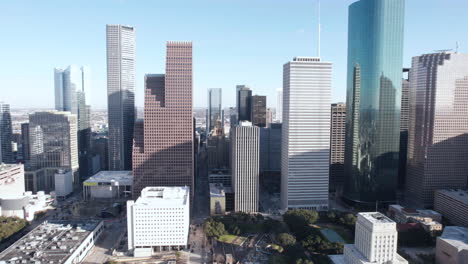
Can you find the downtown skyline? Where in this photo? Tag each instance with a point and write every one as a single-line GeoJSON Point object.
{"type": "Point", "coordinates": [257, 62]}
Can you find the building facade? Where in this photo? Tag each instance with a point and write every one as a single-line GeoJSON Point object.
{"type": "Point", "coordinates": [245, 150]}
{"type": "Point", "coordinates": [438, 132]}
{"type": "Point", "coordinates": [215, 110]}
{"type": "Point", "coordinates": [305, 152]}
{"type": "Point", "coordinates": [25, 142]}
{"type": "Point", "coordinates": [270, 148]}
{"type": "Point", "coordinates": [279, 105]}
{"type": "Point", "coordinates": [120, 94]}
{"type": "Point", "coordinates": [259, 111]}
{"type": "Point", "coordinates": [337, 146]}
{"type": "Point", "coordinates": [404, 124]}
{"type": "Point", "coordinates": [453, 205]}
{"type": "Point", "coordinates": [158, 220]}
{"type": "Point", "coordinates": [452, 246]}
{"type": "Point", "coordinates": [6, 134]}
{"type": "Point", "coordinates": [375, 59]}
{"type": "Point", "coordinates": [163, 148]}
{"type": "Point", "coordinates": [244, 103]}
{"type": "Point", "coordinates": [11, 180]}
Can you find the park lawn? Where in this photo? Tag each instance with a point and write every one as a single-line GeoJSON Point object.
{"type": "Point", "coordinates": [232, 239]}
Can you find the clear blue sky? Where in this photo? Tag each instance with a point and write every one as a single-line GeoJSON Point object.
{"type": "Point", "coordinates": [235, 41]}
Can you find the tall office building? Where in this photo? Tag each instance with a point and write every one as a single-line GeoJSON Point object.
{"type": "Point", "coordinates": [270, 148]}
{"type": "Point", "coordinates": [438, 132]}
{"type": "Point", "coordinates": [375, 58]}
{"type": "Point", "coordinates": [404, 123]}
{"type": "Point", "coordinates": [215, 111]}
{"type": "Point", "coordinates": [245, 163]}
{"type": "Point", "coordinates": [337, 146]}
{"type": "Point", "coordinates": [163, 149]}
{"type": "Point", "coordinates": [279, 105]}
{"type": "Point", "coordinates": [258, 110]}
{"type": "Point", "coordinates": [25, 141]}
{"type": "Point", "coordinates": [6, 134]}
{"type": "Point", "coordinates": [305, 141]}
{"type": "Point", "coordinates": [232, 116]}
{"type": "Point", "coordinates": [120, 94]}
{"type": "Point", "coordinates": [244, 107]}
{"type": "Point", "coordinates": [53, 147]}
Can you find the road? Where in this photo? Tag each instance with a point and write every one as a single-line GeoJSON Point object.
{"type": "Point", "coordinates": [102, 250]}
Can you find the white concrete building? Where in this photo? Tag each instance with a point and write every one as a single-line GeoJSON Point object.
{"type": "Point", "coordinates": [245, 165]}
{"type": "Point", "coordinates": [279, 105]}
{"type": "Point", "coordinates": [305, 142]}
{"type": "Point", "coordinates": [158, 220]}
{"type": "Point", "coordinates": [452, 246]}
{"type": "Point", "coordinates": [63, 180]}
{"type": "Point", "coordinates": [11, 180]}
{"type": "Point", "coordinates": [108, 185]}
{"type": "Point", "coordinates": [375, 242]}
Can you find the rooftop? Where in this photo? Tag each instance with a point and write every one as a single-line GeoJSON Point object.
{"type": "Point", "coordinates": [119, 177]}
{"type": "Point", "coordinates": [460, 195]}
{"type": "Point", "coordinates": [5, 166]}
{"type": "Point", "coordinates": [217, 190]}
{"type": "Point", "coordinates": [50, 242]}
{"type": "Point", "coordinates": [164, 196]}
{"type": "Point", "coordinates": [376, 217]}
{"type": "Point", "coordinates": [457, 236]}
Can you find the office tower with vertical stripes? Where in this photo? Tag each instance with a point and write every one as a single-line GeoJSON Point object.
{"type": "Point", "coordinates": [163, 146]}
{"type": "Point", "coordinates": [6, 134]}
{"type": "Point", "coordinates": [120, 94]}
{"type": "Point", "coordinates": [279, 105]}
{"type": "Point", "coordinates": [305, 152]}
{"type": "Point", "coordinates": [337, 146]}
{"type": "Point", "coordinates": [259, 111]}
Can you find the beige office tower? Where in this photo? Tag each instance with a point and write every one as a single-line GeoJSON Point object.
{"type": "Point", "coordinates": [438, 130]}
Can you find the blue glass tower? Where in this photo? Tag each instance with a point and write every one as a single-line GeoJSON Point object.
{"type": "Point", "coordinates": [375, 59]}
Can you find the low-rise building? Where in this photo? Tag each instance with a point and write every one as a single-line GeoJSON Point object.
{"type": "Point", "coordinates": [217, 199]}
{"type": "Point", "coordinates": [108, 185]}
{"type": "Point", "coordinates": [375, 242]}
{"type": "Point", "coordinates": [452, 246]}
{"type": "Point", "coordinates": [453, 205]}
{"type": "Point", "coordinates": [403, 214]}
{"type": "Point", "coordinates": [158, 220]}
{"type": "Point", "coordinates": [63, 180]}
{"type": "Point", "coordinates": [25, 206]}
{"type": "Point", "coordinates": [11, 180]}
{"type": "Point", "coordinates": [57, 242]}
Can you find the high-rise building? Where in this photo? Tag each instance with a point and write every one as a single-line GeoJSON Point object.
{"type": "Point", "coordinates": [270, 148]}
{"type": "Point", "coordinates": [120, 94]}
{"type": "Point", "coordinates": [232, 116]}
{"type": "Point", "coordinates": [215, 110]}
{"type": "Point", "coordinates": [438, 131]}
{"type": "Point", "coordinates": [279, 105]}
{"type": "Point", "coordinates": [375, 58]}
{"type": "Point", "coordinates": [337, 146]}
{"type": "Point", "coordinates": [25, 141]}
{"type": "Point", "coordinates": [6, 134]}
{"type": "Point", "coordinates": [375, 242]}
{"type": "Point", "coordinates": [159, 219]}
{"type": "Point", "coordinates": [453, 205]}
{"type": "Point", "coordinates": [258, 112]}
{"type": "Point", "coordinates": [53, 147]}
{"type": "Point", "coordinates": [244, 107]}
{"type": "Point", "coordinates": [269, 116]}
{"type": "Point", "coordinates": [245, 163]}
{"type": "Point", "coordinates": [305, 151]}
{"type": "Point", "coordinates": [404, 123]}
{"type": "Point", "coordinates": [163, 149]}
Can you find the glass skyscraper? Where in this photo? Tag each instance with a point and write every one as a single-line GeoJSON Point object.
{"type": "Point", "coordinates": [375, 58]}
{"type": "Point", "coordinates": [215, 111]}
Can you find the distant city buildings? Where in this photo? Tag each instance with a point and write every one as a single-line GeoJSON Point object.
{"type": "Point", "coordinates": [6, 134]}
{"type": "Point", "coordinates": [163, 151]}
{"type": "Point", "coordinates": [375, 242]}
{"type": "Point", "coordinates": [453, 205]}
{"type": "Point", "coordinates": [438, 131]}
{"type": "Point", "coordinates": [305, 149]}
{"type": "Point", "coordinates": [452, 246]}
{"type": "Point", "coordinates": [373, 100]}
{"type": "Point", "coordinates": [215, 110]}
{"type": "Point", "coordinates": [245, 150]}
{"type": "Point", "coordinates": [53, 146]}
{"type": "Point", "coordinates": [158, 220]}
{"type": "Point", "coordinates": [279, 105]}
{"type": "Point", "coordinates": [337, 146]}
{"type": "Point", "coordinates": [259, 111]}
{"type": "Point", "coordinates": [120, 94]}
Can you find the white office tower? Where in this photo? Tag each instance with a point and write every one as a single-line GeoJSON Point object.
{"type": "Point", "coordinates": [305, 146]}
{"type": "Point", "coordinates": [158, 220]}
{"type": "Point", "coordinates": [375, 242]}
{"type": "Point", "coordinates": [279, 105]}
{"type": "Point", "coordinates": [245, 165]}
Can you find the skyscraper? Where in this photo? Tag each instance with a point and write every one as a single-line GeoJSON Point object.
{"type": "Point", "coordinates": [120, 94]}
{"type": "Point", "coordinates": [53, 146]}
{"type": "Point", "coordinates": [438, 131]}
{"type": "Point", "coordinates": [244, 107]}
{"type": "Point", "coordinates": [337, 146]}
{"type": "Point", "coordinates": [245, 163]}
{"type": "Point", "coordinates": [305, 142]}
{"type": "Point", "coordinates": [6, 134]}
{"type": "Point", "coordinates": [258, 112]}
{"type": "Point", "coordinates": [375, 58]}
{"type": "Point", "coordinates": [279, 105]}
{"type": "Point", "coordinates": [404, 123]}
{"type": "Point", "coordinates": [25, 141]}
{"type": "Point", "coordinates": [215, 110]}
{"type": "Point", "coordinates": [163, 149]}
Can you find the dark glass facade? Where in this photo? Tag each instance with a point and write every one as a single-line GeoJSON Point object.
{"type": "Point", "coordinates": [215, 111]}
{"type": "Point", "coordinates": [375, 52]}
{"type": "Point", "coordinates": [259, 113]}
{"type": "Point", "coordinates": [244, 103]}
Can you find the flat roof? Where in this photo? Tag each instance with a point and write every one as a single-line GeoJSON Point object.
{"type": "Point", "coordinates": [457, 236]}
{"type": "Point", "coordinates": [122, 177]}
{"type": "Point", "coordinates": [376, 217]}
{"type": "Point", "coordinates": [217, 190]}
{"type": "Point", "coordinates": [164, 196]}
{"type": "Point", "coordinates": [460, 195]}
{"type": "Point", "coordinates": [8, 166]}
{"type": "Point", "coordinates": [50, 242]}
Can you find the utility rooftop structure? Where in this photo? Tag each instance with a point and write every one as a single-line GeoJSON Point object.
{"type": "Point", "coordinates": [108, 184]}
{"type": "Point", "coordinates": [57, 242]}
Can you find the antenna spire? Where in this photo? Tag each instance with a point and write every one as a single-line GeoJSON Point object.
{"type": "Point", "coordinates": [319, 30]}
{"type": "Point", "coordinates": [457, 47]}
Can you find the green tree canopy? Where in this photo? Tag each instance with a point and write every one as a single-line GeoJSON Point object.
{"type": "Point", "coordinates": [285, 239]}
